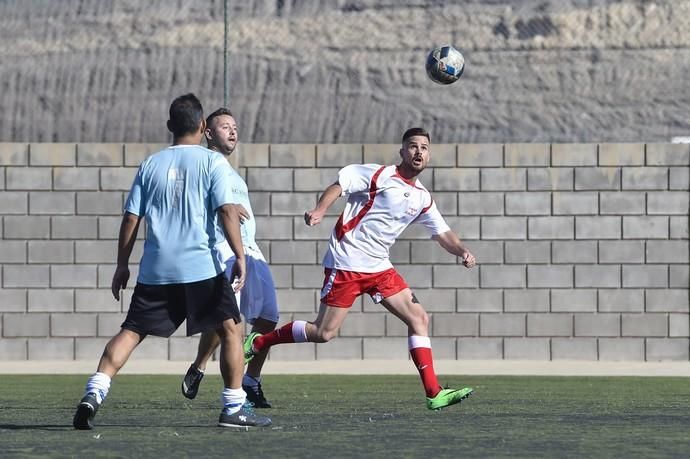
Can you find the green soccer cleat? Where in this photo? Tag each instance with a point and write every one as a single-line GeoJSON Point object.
{"type": "Point", "coordinates": [249, 351]}
{"type": "Point", "coordinates": [448, 397]}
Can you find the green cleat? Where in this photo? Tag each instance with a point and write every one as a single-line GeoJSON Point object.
{"type": "Point", "coordinates": [448, 397]}
{"type": "Point", "coordinates": [249, 351]}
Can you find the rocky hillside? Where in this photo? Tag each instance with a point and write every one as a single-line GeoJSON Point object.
{"type": "Point", "coordinates": [347, 71]}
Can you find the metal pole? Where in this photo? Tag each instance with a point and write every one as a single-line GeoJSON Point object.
{"type": "Point", "coordinates": [225, 54]}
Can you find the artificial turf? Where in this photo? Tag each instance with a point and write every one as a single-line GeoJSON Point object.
{"type": "Point", "coordinates": [354, 416]}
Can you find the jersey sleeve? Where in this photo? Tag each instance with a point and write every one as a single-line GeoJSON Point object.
{"type": "Point", "coordinates": [220, 184]}
{"type": "Point", "coordinates": [432, 220]}
{"type": "Point", "coordinates": [135, 203]}
{"type": "Point", "coordinates": [356, 178]}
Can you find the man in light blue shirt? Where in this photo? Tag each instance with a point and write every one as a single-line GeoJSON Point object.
{"type": "Point", "coordinates": [183, 192]}
{"type": "Point", "coordinates": [181, 231]}
{"type": "Point", "coordinates": [258, 303]}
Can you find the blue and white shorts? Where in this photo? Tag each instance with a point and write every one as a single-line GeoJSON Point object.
{"type": "Point", "coordinates": [257, 299]}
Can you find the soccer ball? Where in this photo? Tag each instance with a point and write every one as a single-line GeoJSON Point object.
{"type": "Point", "coordinates": [445, 64]}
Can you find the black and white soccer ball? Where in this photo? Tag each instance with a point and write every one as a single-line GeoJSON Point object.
{"type": "Point", "coordinates": [445, 64]}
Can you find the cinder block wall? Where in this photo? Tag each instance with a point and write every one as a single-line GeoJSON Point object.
{"type": "Point", "coordinates": [582, 250]}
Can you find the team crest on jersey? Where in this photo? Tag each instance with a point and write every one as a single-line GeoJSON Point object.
{"type": "Point", "coordinates": [412, 211]}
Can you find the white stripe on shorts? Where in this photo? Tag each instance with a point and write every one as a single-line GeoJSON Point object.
{"type": "Point", "coordinates": [329, 283]}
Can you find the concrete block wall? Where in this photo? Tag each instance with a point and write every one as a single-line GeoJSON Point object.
{"type": "Point", "coordinates": [582, 250]}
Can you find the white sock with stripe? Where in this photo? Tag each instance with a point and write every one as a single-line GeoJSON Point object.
{"type": "Point", "coordinates": [232, 399]}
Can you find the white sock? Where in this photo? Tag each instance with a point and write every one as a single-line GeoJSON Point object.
{"type": "Point", "coordinates": [232, 399]}
{"type": "Point", "coordinates": [299, 331]}
{"type": "Point", "coordinates": [251, 381]}
{"type": "Point", "coordinates": [414, 341]}
{"type": "Point", "coordinates": [99, 384]}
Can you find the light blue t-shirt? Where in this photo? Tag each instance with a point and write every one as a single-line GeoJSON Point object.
{"type": "Point", "coordinates": [178, 191]}
{"type": "Point", "coordinates": [240, 195]}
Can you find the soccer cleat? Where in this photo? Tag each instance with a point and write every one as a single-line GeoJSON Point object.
{"type": "Point", "coordinates": [256, 396]}
{"type": "Point", "coordinates": [86, 411]}
{"type": "Point", "coordinates": [245, 417]}
{"type": "Point", "coordinates": [249, 351]}
{"type": "Point", "coordinates": [447, 397]}
{"type": "Point", "coordinates": [191, 381]}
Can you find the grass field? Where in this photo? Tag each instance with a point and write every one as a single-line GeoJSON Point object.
{"type": "Point", "coordinates": [355, 416]}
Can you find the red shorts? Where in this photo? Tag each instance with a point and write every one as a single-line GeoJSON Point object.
{"type": "Point", "coordinates": [341, 288]}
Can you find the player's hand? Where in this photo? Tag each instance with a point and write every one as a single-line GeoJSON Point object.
{"type": "Point", "coordinates": [312, 217]}
{"type": "Point", "coordinates": [468, 260]}
{"type": "Point", "coordinates": [242, 212]}
{"type": "Point", "coordinates": [120, 279]}
{"type": "Point", "coordinates": [238, 274]}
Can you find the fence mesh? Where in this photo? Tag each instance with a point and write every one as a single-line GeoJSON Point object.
{"type": "Point", "coordinates": [336, 71]}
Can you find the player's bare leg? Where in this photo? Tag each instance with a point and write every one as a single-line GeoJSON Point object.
{"type": "Point", "coordinates": [323, 329]}
{"type": "Point", "coordinates": [262, 326]}
{"type": "Point", "coordinates": [251, 382]}
{"type": "Point", "coordinates": [327, 323]}
{"type": "Point", "coordinates": [231, 361]}
{"type": "Point", "coordinates": [407, 308]}
{"type": "Point", "coordinates": [118, 350]}
{"type": "Point", "coordinates": [235, 412]}
{"type": "Point", "coordinates": [404, 305]}
{"type": "Point", "coordinates": [115, 355]}
{"type": "Point", "coordinates": [208, 343]}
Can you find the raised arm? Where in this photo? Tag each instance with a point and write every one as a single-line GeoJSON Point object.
{"type": "Point", "coordinates": [129, 227]}
{"type": "Point", "coordinates": [332, 193]}
{"type": "Point", "coordinates": [451, 242]}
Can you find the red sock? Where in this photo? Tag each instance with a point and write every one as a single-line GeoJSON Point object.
{"type": "Point", "coordinates": [423, 360]}
{"type": "Point", "coordinates": [284, 334]}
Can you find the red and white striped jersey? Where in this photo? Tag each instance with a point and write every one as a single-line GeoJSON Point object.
{"type": "Point", "coordinates": [380, 205]}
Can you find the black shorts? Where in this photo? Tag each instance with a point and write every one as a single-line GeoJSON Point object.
{"type": "Point", "coordinates": [160, 309]}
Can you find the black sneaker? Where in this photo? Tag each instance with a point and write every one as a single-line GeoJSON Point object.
{"type": "Point", "coordinates": [245, 417]}
{"type": "Point", "coordinates": [191, 381]}
{"type": "Point", "coordinates": [86, 411]}
{"type": "Point", "coordinates": [256, 396]}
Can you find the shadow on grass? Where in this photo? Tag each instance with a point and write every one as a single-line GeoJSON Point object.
{"type": "Point", "coordinates": [50, 427]}
{"type": "Point", "coordinates": [68, 427]}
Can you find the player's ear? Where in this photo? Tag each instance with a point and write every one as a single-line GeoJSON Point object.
{"type": "Point", "coordinates": [202, 126]}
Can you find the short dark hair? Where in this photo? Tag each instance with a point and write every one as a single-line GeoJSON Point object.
{"type": "Point", "coordinates": [186, 113]}
{"type": "Point", "coordinates": [415, 131]}
{"type": "Point", "coordinates": [221, 111]}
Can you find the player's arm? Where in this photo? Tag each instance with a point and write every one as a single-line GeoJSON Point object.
{"type": "Point", "coordinates": [452, 243]}
{"type": "Point", "coordinates": [129, 227]}
{"type": "Point", "coordinates": [241, 211]}
{"type": "Point", "coordinates": [332, 193]}
{"type": "Point", "coordinates": [229, 218]}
